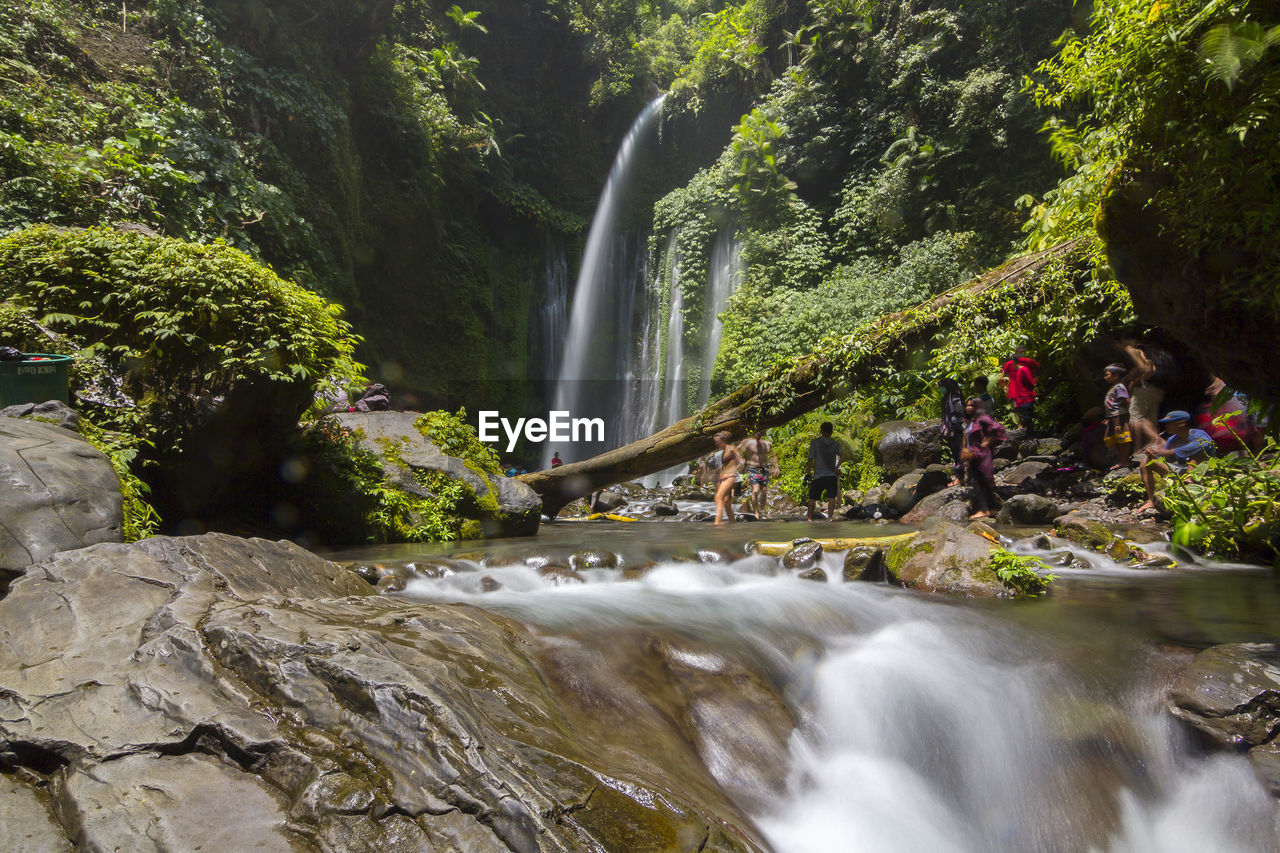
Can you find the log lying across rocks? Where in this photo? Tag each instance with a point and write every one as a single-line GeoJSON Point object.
{"type": "Point", "coordinates": [781, 396]}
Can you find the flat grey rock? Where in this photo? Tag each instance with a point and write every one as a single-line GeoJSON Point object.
{"type": "Point", "coordinates": [219, 693]}
{"type": "Point", "coordinates": [59, 493]}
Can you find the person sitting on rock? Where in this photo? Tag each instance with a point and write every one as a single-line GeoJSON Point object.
{"type": "Point", "coordinates": [1115, 405]}
{"type": "Point", "coordinates": [982, 434]}
{"type": "Point", "coordinates": [1184, 448]}
{"type": "Point", "coordinates": [556, 461]}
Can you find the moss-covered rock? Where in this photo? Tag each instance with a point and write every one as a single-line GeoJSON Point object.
{"type": "Point", "coordinates": [951, 559]}
{"type": "Point", "coordinates": [489, 504]}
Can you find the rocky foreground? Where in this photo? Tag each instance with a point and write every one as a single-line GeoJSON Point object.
{"type": "Point", "coordinates": [229, 694]}
{"type": "Point", "coordinates": [222, 693]}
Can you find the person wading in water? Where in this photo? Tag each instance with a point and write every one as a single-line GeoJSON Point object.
{"type": "Point", "coordinates": [756, 453]}
{"type": "Point", "coordinates": [730, 462]}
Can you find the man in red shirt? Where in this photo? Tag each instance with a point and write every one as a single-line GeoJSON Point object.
{"type": "Point", "coordinates": [1020, 373]}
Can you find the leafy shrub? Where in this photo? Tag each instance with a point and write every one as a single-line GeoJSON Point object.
{"type": "Point", "coordinates": [1182, 96]}
{"type": "Point", "coordinates": [1025, 575]}
{"type": "Point", "coordinates": [183, 323]}
{"type": "Point", "coordinates": [1229, 506]}
{"type": "Point", "coordinates": [456, 437]}
{"type": "Point", "coordinates": [140, 518]}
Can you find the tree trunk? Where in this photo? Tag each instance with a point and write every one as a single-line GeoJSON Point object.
{"type": "Point", "coordinates": [776, 398]}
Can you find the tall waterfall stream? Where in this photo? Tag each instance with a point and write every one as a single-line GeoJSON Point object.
{"type": "Point", "coordinates": [919, 723]}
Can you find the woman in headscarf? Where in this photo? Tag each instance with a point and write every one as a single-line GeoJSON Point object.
{"type": "Point", "coordinates": [981, 434]}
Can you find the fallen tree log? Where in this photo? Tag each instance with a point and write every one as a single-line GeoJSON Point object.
{"type": "Point", "coordinates": [783, 394]}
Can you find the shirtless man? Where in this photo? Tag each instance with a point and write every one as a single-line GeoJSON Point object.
{"type": "Point", "coordinates": [730, 462]}
{"type": "Point", "coordinates": [756, 453]}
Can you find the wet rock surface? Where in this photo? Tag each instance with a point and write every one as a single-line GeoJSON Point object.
{"type": "Point", "coordinates": [179, 681]}
{"type": "Point", "coordinates": [905, 446]}
{"type": "Point", "coordinates": [949, 558]}
{"type": "Point", "coordinates": [60, 493]}
{"type": "Point", "coordinates": [1231, 695]}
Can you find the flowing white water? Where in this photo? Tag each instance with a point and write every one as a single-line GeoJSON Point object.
{"type": "Point", "coordinates": [553, 318]}
{"type": "Point", "coordinates": [923, 725]}
{"type": "Point", "coordinates": [723, 275]}
{"type": "Point", "coordinates": [594, 369]}
{"type": "Point", "coordinates": [673, 385]}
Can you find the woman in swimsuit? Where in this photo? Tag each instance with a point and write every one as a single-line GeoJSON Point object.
{"type": "Point", "coordinates": [731, 462]}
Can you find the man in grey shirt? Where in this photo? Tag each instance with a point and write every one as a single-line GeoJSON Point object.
{"type": "Point", "coordinates": [824, 466]}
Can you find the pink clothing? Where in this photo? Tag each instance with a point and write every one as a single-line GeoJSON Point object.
{"type": "Point", "coordinates": [1021, 372]}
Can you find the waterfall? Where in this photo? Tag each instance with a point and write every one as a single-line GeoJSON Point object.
{"type": "Point", "coordinates": [723, 274]}
{"type": "Point", "coordinates": [673, 375]}
{"type": "Point", "coordinates": [598, 370]}
{"type": "Point", "coordinates": [553, 318]}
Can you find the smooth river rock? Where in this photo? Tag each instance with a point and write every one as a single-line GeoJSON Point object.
{"type": "Point", "coordinates": [1231, 694]}
{"type": "Point", "coordinates": [59, 493]}
{"type": "Point", "coordinates": [235, 694]}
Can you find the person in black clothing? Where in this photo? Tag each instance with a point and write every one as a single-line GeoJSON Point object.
{"type": "Point", "coordinates": [953, 424]}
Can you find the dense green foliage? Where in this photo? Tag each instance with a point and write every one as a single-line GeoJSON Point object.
{"type": "Point", "coordinates": [880, 168]}
{"type": "Point", "coordinates": [1024, 575]}
{"type": "Point", "coordinates": [1229, 506]}
{"type": "Point", "coordinates": [1182, 96]}
{"type": "Point", "coordinates": [175, 324]}
{"type": "Point", "coordinates": [1071, 305]}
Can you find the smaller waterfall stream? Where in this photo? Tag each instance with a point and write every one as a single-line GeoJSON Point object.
{"type": "Point", "coordinates": [920, 724]}
{"type": "Point", "coordinates": [553, 318]}
{"type": "Point", "coordinates": [723, 275]}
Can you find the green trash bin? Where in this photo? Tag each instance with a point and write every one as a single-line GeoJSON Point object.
{"type": "Point", "coordinates": [35, 379]}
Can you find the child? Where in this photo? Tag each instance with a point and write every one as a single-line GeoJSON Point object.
{"type": "Point", "coordinates": [1116, 409]}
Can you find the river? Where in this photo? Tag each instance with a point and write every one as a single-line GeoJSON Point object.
{"type": "Point", "coordinates": [914, 722]}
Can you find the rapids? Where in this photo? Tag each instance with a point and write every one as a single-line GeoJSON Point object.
{"type": "Point", "coordinates": [918, 723]}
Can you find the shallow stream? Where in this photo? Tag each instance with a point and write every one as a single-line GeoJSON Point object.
{"type": "Point", "coordinates": [914, 722]}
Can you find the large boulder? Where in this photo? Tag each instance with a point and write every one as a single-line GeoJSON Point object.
{"type": "Point", "coordinates": [1028, 509]}
{"type": "Point", "coordinates": [950, 559]}
{"type": "Point", "coordinates": [905, 446]}
{"type": "Point", "coordinates": [502, 505]}
{"type": "Point", "coordinates": [951, 504]}
{"type": "Point", "coordinates": [60, 493]}
{"type": "Point", "coordinates": [1231, 694]}
{"type": "Point", "coordinates": [902, 493]}
{"type": "Point", "coordinates": [236, 694]}
{"type": "Point", "coordinates": [1023, 475]}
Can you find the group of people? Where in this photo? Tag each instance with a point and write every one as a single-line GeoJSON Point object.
{"type": "Point", "coordinates": [754, 455]}
{"type": "Point", "coordinates": [1132, 426]}
{"type": "Point", "coordinates": [972, 432]}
